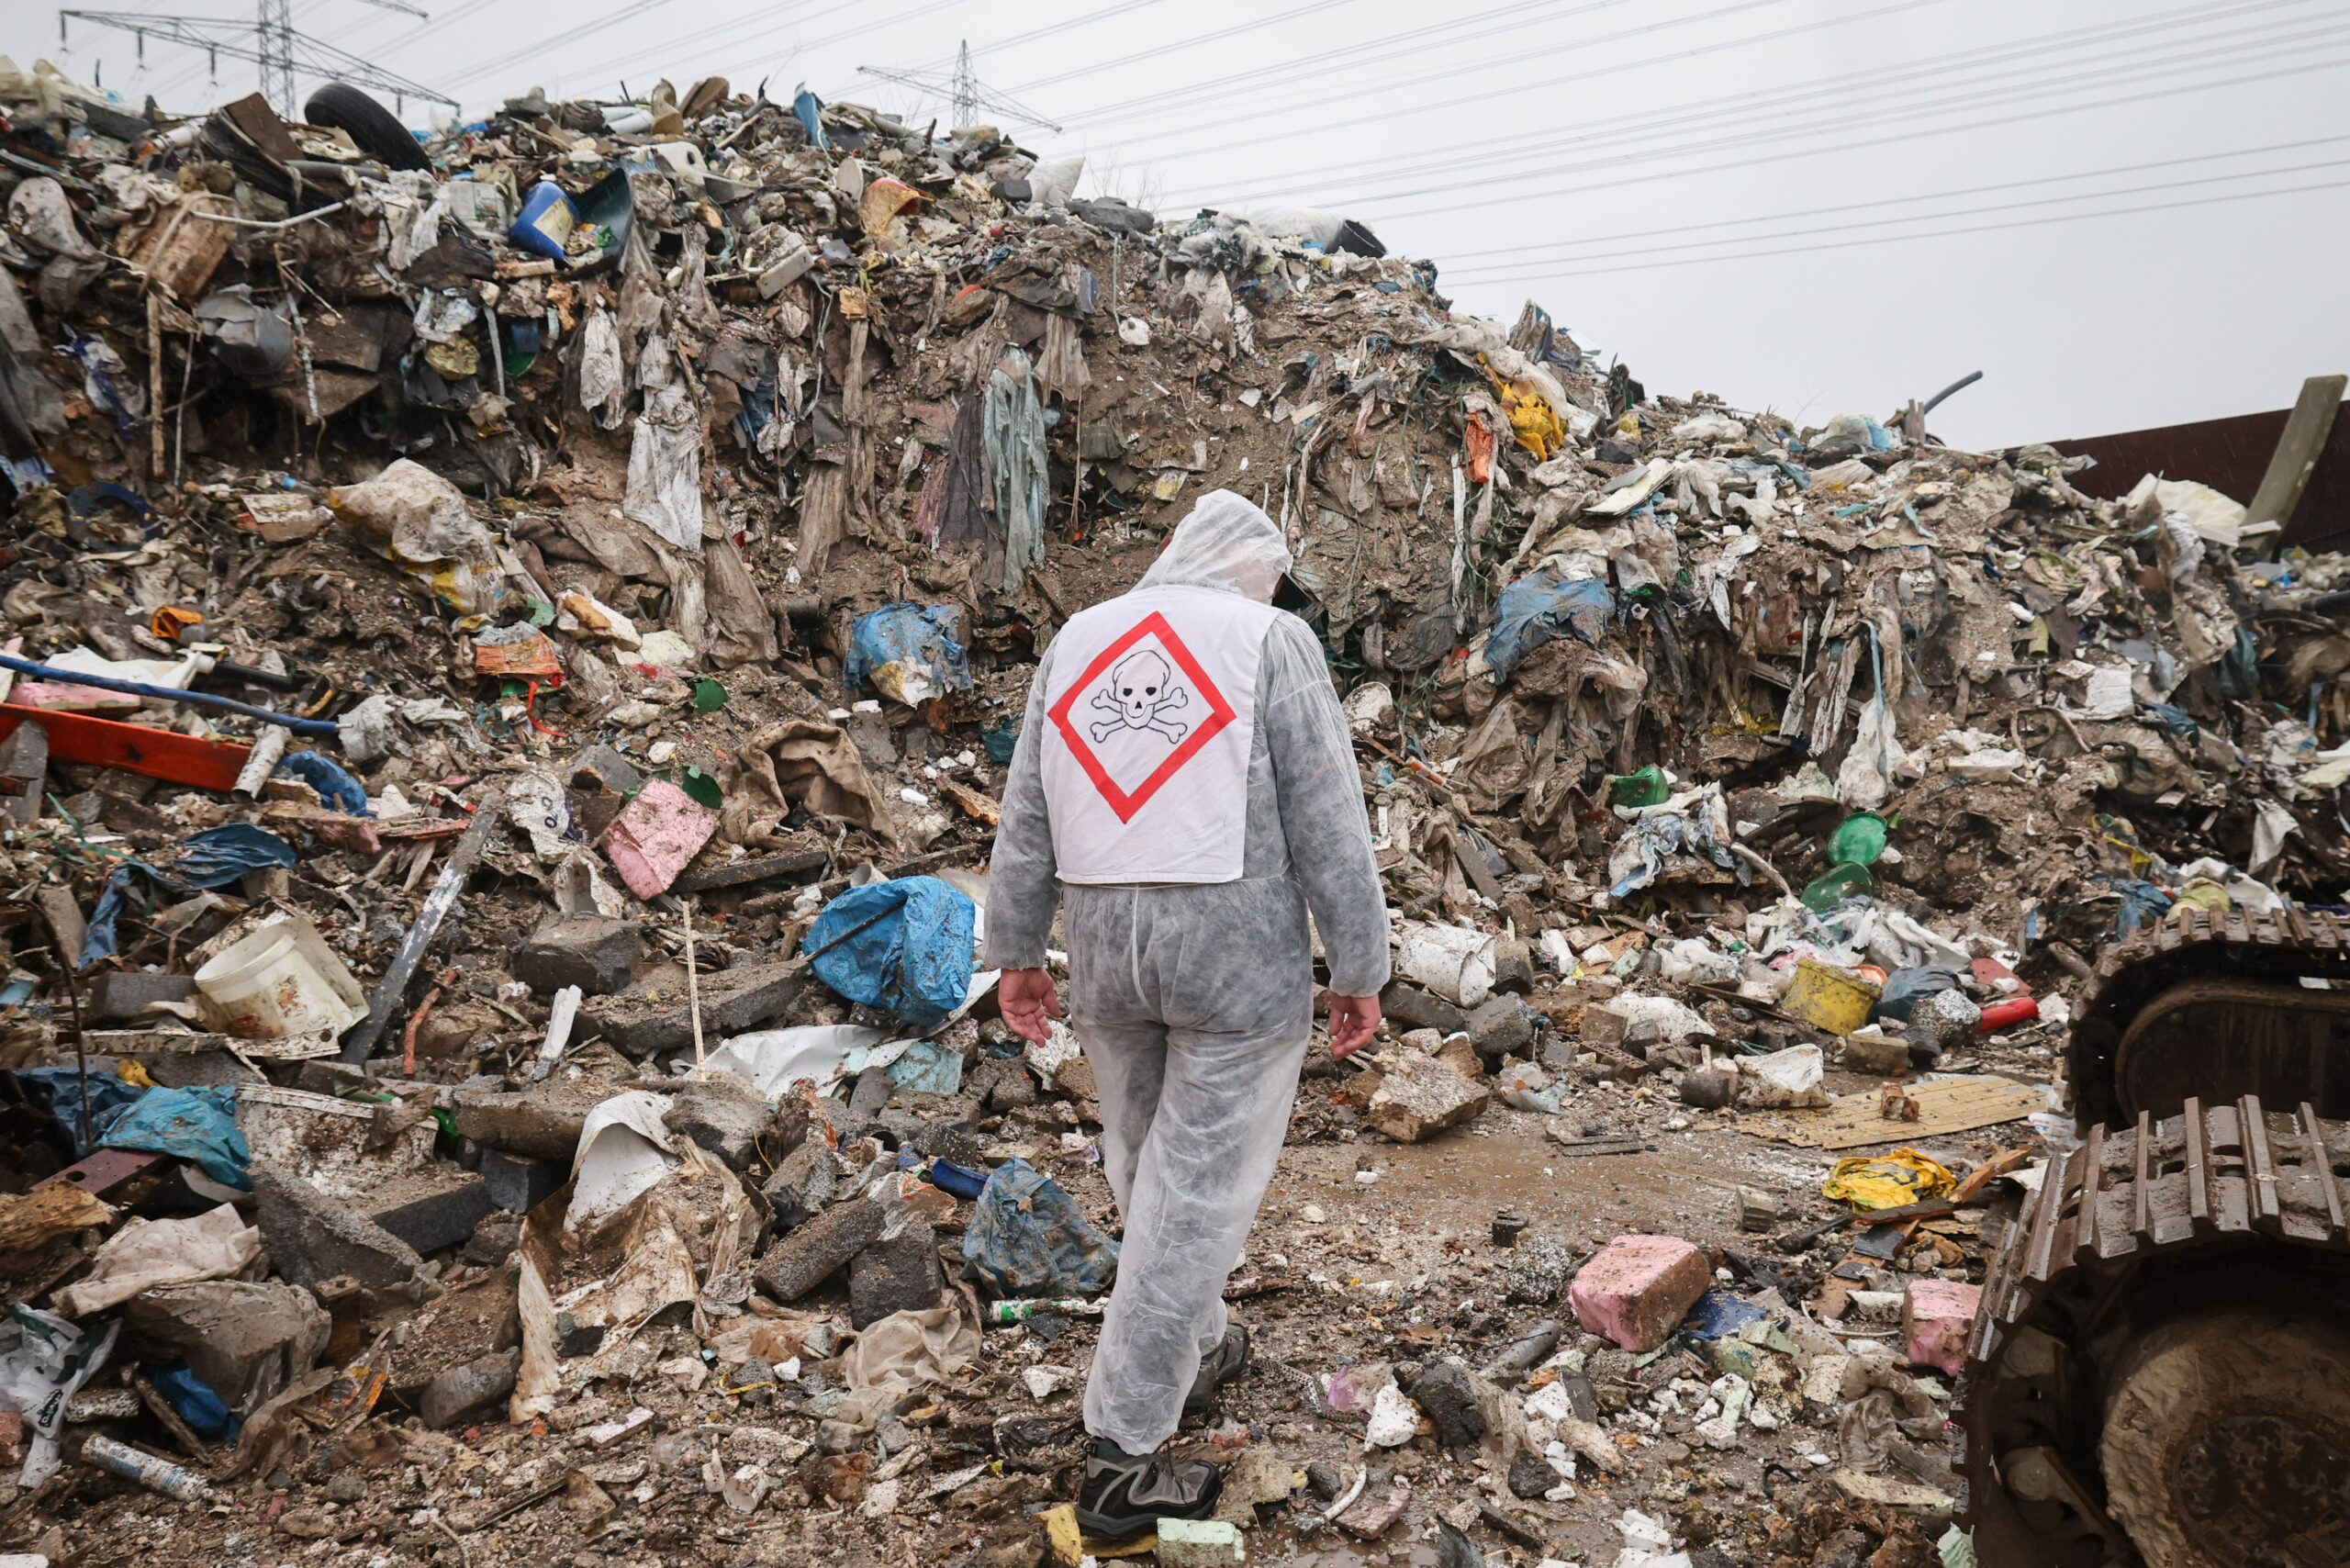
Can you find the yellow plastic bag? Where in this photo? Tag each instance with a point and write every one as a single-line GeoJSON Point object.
{"type": "Point", "coordinates": [1887, 1181]}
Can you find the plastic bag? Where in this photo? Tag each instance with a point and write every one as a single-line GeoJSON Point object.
{"type": "Point", "coordinates": [1028, 1239]}
{"type": "Point", "coordinates": [909, 653]}
{"type": "Point", "coordinates": [1540, 608]}
{"type": "Point", "coordinates": [914, 954]}
{"type": "Point", "coordinates": [1904, 989]}
{"type": "Point", "coordinates": [198, 1126]}
{"type": "Point", "coordinates": [40, 1372]}
{"type": "Point", "coordinates": [1887, 1181]}
{"type": "Point", "coordinates": [58, 1090]}
{"type": "Point", "coordinates": [212, 858]}
{"type": "Point", "coordinates": [145, 1253]}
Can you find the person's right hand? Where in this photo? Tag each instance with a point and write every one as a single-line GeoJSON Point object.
{"type": "Point", "coordinates": [1026, 999]}
{"type": "Point", "coordinates": [1353, 1021]}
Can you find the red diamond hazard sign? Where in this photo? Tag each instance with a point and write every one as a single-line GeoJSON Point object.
{"type": "Point", "coordinates": [1148, 709]}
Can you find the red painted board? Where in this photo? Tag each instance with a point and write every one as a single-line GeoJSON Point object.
{"type": "Point", "coordinates": [134, 748]}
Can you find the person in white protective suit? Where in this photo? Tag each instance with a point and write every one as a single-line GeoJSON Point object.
{"type": "Point", "coordinates": [1185, 789]}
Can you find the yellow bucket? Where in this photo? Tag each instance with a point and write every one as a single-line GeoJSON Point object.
{"type": "Point", "coordinates": [1829, 999]}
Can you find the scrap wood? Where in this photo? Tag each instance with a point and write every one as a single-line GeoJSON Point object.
{"type": "Point", "coordinates": [1984, 1174]}
{"type": "Point", "coordinates": [982, 807]}
{"type": "Point", "coordinates": [1944, 1105]}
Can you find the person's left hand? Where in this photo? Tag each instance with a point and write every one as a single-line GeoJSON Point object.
{"type": "Point", "coordinates": [1353, 1020]}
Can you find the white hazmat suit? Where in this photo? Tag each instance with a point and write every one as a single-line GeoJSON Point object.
{"type": "Point", "coordinates": [1192, 997]}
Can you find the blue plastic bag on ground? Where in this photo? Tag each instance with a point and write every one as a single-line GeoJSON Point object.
{"type": "Point", "coordinates": [193, 1401]}
{"type": "Point", "coordinates": [198, 1126]}
{"type": "Point", "coordinates": [914, 958]}
{"type": "Point", "coordinates": [1717, 1314]}
{"type": "Point", "coordinates": [215, 858]}
{"type": "Point", "coordinates": [1538, 609]}
{"type": "Point", "coordinates": [58, 1090]}
{"type": "Point", "coordinates": [1029, 1240]}
{"type": "Point", "coordinates": [336, 787]}
{"type": "Point", "coordinates": [1904, 989]}
{"type": "Point", "coordinates": [910, 652]}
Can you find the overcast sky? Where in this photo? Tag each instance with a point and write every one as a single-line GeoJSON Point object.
{"type": "Point", "coordinates": [1813, 206]}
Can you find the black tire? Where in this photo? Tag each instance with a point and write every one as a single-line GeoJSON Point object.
{"type": "Point", "coordinates": [369, 124]}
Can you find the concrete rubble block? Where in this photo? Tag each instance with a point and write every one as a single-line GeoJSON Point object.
{"type": "Point", "coordinates": [469, 1387]}
{"type": "Point", "coordinates": [1504, 1025]}
{"type": "Point", "coordinates": [595, 952]}
{"type": "Point", "coordinates": [1512, 965]}
{"type": "Point", "coordinates": [1446, 1393]}
{"type": "Point", "coordinates": [1374, 1513]}
{"type": "Point", "coordinates": [428, 1209]}
{"type": "Point", "coordinates": [723, 1114]}
{"type": "Point", "coordinates": [1604, 1027]}
{"type": "Point", "coordinates": [1539, 1268]}
{"type": "Point", "coordinates": [1074, 1078]}
{"type": "Point", "coordinates": [246, 1340]}
{"type": "Point", "coordinates": [1420, 1097]}
{"type": "Point", "coordinates": [1457, 1053]}
{"type": "Point", "coordinates": [806, 1258]}
{"type": "Point", "coordinates": [310, 1236]}
{"type": "Point", "coordinates": [1636, 1289]}
{"type": "Point", "coordinates": [517, 1183]}
{"type": "Point", "coordinates": [1936, 1317]}
{"type": "Point", "coordinates": [803, 1184]}
{"type": "Point", "coordinates": [901, 1274]}
{"type": "Point", "coordinates": [1758, 1211]}
{"type": "Point", "coordinates": [657, 835]}
{"type": "Point", "coordinates": [1200, 1543]}
{"type": "Point", "coordinates": [542, 1122]}
{"type": "Point", "coordinates": [1409, 1007]}
{"type": "Point", "coordinates": [120, 995]}
{"type": "Point", "coordinates": [641, 1020]}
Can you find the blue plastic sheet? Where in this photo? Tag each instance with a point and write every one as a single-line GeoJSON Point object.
{"type": "Point", "coordinates": [58, 1090]}
{"type": "Point", "coordinates": [1538, 607]}
{"type": "Point", "coordinates": [193, 1401]}
{"type": "Point", "coordinates": [1904, 989]}
{"type": "Point", "coordinates": [337, 788]}
{"type": "Point", "coordinates": [917, 637]}
{"type": "Point", "coordinates": [1029, 1240]}
{"type": "Point", "coordinates": [198, 1126]}
{"type": "Point", "coordinates": [809, 110]}
{"type": "Point", "coordinates": [215, 858]}
{"type": "Point", "coordinates": [1717, 1313]}
{"type": "Point", "coordinates": [914, 959]}
{"type": "Point", "coordinates": [960, 1180]}
{"type": "Point", "coordinates": [928, 1068]}
{"type": "Point", "coordinates": [2142, 904]}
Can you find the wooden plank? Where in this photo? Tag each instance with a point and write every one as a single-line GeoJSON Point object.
{"type": "Point", "coordinates": [1944, 1105]}
{"type": "Point", "coordinates": [135, 748]}
{"type": "Point", "coordinates": [2295, 459]}
{"type": "Point", "coordinates": [753, 870]}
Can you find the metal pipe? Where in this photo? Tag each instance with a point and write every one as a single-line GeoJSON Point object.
{"type": "Point", "coordinates": [319, 729]}
{"type": "Point", "coordinates": [271, 222]}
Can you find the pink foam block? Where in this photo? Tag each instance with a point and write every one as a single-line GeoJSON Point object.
{"type": "Point", "coordinates": [1936, 1317]}
{"type": "Point", "coordinates": [657, 835]}
{"type": "Point", "coordinates": [1636, 1288]}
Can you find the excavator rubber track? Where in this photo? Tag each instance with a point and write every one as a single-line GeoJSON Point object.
{"type": "Point", "coordinates": [2176, 1208]}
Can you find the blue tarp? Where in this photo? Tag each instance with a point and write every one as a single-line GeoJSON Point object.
{"type": "Point", "coordinates": [915, 960]}
{"type": "Point", "coordinates": [198, 1126]}
{"type": "Point", "coordinates": [809, 110]}
{"type": "Point", "coordinates": [1540, 608]}
{"type": "Point", "coordinates": [58, 1090]}
{"type": "Point", "coordinates": [919, 637]}
{"type": "Point", "coordinates": [1029, 1240]}
{"type": "Point", "coordinates": [215, 858]}
{"type": "Point", "coordinates": [1717, 1314]}
{"type": "Point", "coordinates": [338, 788]}
{"type": "Point", "coordinates": [191, 1399]}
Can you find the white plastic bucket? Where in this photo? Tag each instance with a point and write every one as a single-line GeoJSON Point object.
{"type": "Point", "coordinates": [265, 987]}
{"type": "Point", "coordinates": [1457, 965]}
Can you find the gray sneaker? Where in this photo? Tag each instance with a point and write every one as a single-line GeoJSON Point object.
{"type": "Point", "coordinates": [1218, 1367]}
{"type": "Point", "coordinates": [1125, 1495]}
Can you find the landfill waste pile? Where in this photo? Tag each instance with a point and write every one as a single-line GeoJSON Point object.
{"type": "Point", "coordinates": [512, 644]}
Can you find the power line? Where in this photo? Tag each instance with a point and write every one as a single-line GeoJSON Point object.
{"type": "Point", "coordinates": [1495, 269]}
{"type": "Point", "coordinates": [269, 42]}
{"type": "Point", "coordinates": [963, 91]}
{"type": "Point", "coordinates": [1314, 66]}
{"type": "Point", "coordinates": [1551, 246]}
{"type": "Point", "coordinates": [735, 37]}
{"type": "Point", "coordinates": [1276, 19]}
{"type": "Point", "coordinates": [1940, 234]}
{"type": "Point", "coordinates": [1874, 141]}
{"type": "Point", "coordinates": [1649, 121]}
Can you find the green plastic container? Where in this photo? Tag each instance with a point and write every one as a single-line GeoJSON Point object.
{"type": "Point", "coordinates": [1645, 788]}
{"type": "Point", "coordinates": [1858, 840]}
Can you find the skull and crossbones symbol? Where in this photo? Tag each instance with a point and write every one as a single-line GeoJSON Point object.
{"type": "Point", "coordinates": [1138, 698]}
